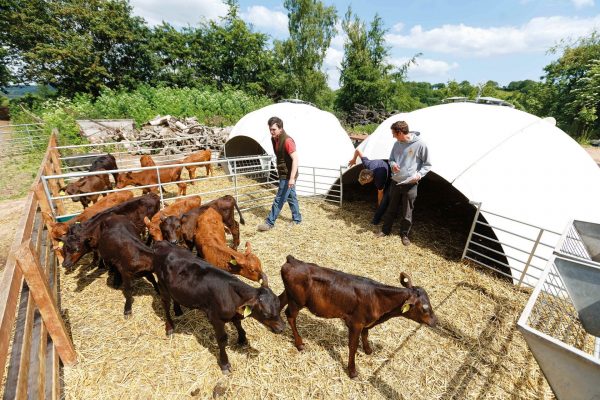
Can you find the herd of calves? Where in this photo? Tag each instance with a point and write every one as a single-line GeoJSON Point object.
{"type": "Point", "coordinates": [114, 227]}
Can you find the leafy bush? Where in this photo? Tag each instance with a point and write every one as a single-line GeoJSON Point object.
{"type": "Point", "coordinates": [208, 105]}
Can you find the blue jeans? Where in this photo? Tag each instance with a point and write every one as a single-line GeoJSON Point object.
{"type": "Point", "coordinates": [284, 194]}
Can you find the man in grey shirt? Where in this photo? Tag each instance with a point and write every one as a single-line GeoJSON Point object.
{"type": "Point", "coordinates": [409, 161]}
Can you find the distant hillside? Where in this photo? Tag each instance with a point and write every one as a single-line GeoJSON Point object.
{"type": "Point", "coordinates": [20, 90]}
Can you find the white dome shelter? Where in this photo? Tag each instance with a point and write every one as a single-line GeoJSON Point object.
{"type": "Point", "coordinates": [516, 164]}
{"type": "Point", "coordinates": [321, 142]}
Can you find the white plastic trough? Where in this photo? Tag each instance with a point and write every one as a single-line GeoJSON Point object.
{"type": "Point", "coordinates": [565, 350]}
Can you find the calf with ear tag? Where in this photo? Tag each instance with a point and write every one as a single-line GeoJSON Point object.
{"type": "Point", "coordinates": [405, 307]}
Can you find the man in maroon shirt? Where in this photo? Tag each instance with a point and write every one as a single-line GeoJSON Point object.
{"type": "Point", "coordinates": [287, 168]}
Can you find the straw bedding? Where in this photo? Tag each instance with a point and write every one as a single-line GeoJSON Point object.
{"type": "Point", "coordinates": [475, 352]}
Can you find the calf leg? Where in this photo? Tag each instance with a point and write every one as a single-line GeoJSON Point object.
{"type": "Point", "coordinates": [283, 300]}
{"type": "Point", "coordinates": [291, 312]}
{"type": "Point", "coordinates": [166, 301]}
{"type": "Point", "coordinates": [128, 296]}
{"type": "Point", "coordinates": [364, 335]}
{"type": "Point", "coordinates": [354, 333]}
{"type": "Point", "coordinates": [177, 309]}
{"type": "Point", "coordinates": [219, 327]}
{"type": "Point", "coordinates": [237, 322]}
{"type": "Point", "coordinates": [182, 188]}
{"type": "Point", "coordinates": [235, 232]}
{"type": "Point", "coordinates": [192, 173]}
{"type": "Point", "coordinates": [208, 169]}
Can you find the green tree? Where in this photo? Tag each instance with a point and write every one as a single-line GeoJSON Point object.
{"type": "Point", "coordinates": [78, 45]}
{"type": "Point", "coordinates": [569, 94]}
{"type": "Point", "coordinates": [364, 78]}
{"type": "Point", "coordinates": [311, 26]}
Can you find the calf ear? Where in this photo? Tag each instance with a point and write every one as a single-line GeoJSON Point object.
{"type": "Point", "coordinates": [264, 281]}
{"type": "Point", "coordinates": [405, 280]}
{"type": "Point", "coordinates": [162, 217]}
{"type": "Point", "coordinates": [48, 220]}
{"type": "Point", "coordinates": [246, 308]}
{"type": "Point", "coordinates": [147, 222]}
{"type": "Point", "coordinates": [248, 248]}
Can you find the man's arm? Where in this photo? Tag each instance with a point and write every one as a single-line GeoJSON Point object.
{"type": "Point", "coordinates": [292, 180]}
{"type": "Point", "coordinates": [357, 153]}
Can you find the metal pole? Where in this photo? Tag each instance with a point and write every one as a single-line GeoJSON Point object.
{"type": "Point", "coordinates": [478, 205]}
{"type": "Point", "coordinates": [162, 200]}
{"type": "Point", "coordinates": [48, 195]}
{"type": "Point", "coordinates": [235, 188]}
{"type": "Point", "coordinates": [314, 182]}
{"type": "Point", "coordinates": [29, 136]}
{"type": "Point", "coordinates": [537, 241]}
{"type": "Point", "coordinates": [341, 185]}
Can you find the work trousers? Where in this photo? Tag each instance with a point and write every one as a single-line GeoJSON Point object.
{"type": "Point", "coordinates": [402, 200]}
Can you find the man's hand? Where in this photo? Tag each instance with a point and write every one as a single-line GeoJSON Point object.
{"type": "Point", "coordinates": [352, 162]}
{"type": "Point", "coordinates": [395, 168]}
{"type": "Point", "coordinates": [291, 183]}
{"type": "Point", "coordinates": [416, 179]}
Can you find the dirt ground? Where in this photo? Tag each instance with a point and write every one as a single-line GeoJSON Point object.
{"type": "Point", "coordinates": [594, 152]}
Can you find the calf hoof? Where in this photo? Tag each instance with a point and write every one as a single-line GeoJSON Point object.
{"type": "Point", "coordinates": [352, 374]}
{"type": "Point", "coordinates": [127, 314]}
{"type": "Point", "coordinates": [300, 347]}
{"type": "Point", "coordinates": [242, 342]}
{"type": "Point", "coordinates": [226, 369]}
{"type": "Point", "coordinates": [170, 332]}
{"type": "Point", "coordinates": [368, 350]}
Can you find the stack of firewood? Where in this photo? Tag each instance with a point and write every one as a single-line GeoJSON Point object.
{"type": "Point", "coordinates": [171, 135]}
{"type": "Point", "coordinates": [362, 115]}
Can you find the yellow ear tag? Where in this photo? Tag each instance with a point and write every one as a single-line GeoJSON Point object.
{"type": "Point", "coordinates": [233, 262]}
{"type": "Point", "coordinates": [405, 308]}
{"type": "Point", "coordinates": [77, 222]}
{"type": "Point", "coordinates": [62, 192]}
{"type": "Point", "coordinates": [60, 244]}
{"type": "Point", "coordinates": [247, 311]}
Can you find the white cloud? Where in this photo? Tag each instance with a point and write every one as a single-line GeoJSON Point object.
{"type": "Point", "coordinates": [178, 13]}
{"type": "Point", "coordinates": [268, 20]}
{"type": "Point", "coordinates": [398, 27]}
{"type": "Point", "coordinates": [536, 35]}
{"type": "Point", "coordinates": [426, 68]}
{"type": "Point", "coordinates": [583, 3]}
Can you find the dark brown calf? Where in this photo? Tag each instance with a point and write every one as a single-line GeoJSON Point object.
{"type": "Point", "coordinates": [120, 247]}
{"type": "Point", "coordinates": [88, 184]}
{"type": "Point", "coordinates": [361, 302]}
{"type": "Point", "coordinates": [60, 229]}
{"type": "Point", "coordinates": [105, 162]}
{"type": "Point", "coordinates": [83, 238]}
{"type": "Point", "coordinates": [194, 283]}
{"type": "Point", "coordinates": [225, 206]}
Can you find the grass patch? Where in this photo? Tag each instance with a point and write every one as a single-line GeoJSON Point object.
{"type": "Point", "coordinates": [18, 175]}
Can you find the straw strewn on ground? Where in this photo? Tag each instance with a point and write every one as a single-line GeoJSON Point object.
{"type": "Point", "coordinates": [476, 352]}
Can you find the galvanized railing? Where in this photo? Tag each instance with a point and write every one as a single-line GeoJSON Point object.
{"type": "Point", "coordinates": [251, 180]}
{"type": "Point", "coordinates": [493, 243]}
{"type": "Point", "coordinates": [22, 139]}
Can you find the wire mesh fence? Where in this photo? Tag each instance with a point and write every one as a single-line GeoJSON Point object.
{"type": "Point", "coordinates": [22, 139]}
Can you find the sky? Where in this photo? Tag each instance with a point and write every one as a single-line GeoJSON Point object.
{"type": "Point", "coordinates": [473, 40]}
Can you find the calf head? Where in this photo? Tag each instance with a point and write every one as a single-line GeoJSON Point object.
{"type": "Point", "coordinates": [265, 307]}
{"type": "Point", "coordinates": [246, 264]}
{"type": "Point", "coordinates": [75, 246]}
{"type": "Point", "coordinates": [125, 179]}
{"type": "Point", "coordinates": [417, 307]}
{"type": "Point", "coordinates": [170, 229]}
{"type": "Point", "coordinates": [74, 188]}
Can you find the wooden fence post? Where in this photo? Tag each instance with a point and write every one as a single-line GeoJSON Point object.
{"type": "Point", "coordinates": [44, 204]}
{"type": "Point", "coordinates": [42, 294]}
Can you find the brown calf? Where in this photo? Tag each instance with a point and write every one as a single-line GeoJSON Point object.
{"type": "Point", "coordinates": [176, 209]}
{"type": "Point", "coordinates": [211, 245]}
{"type": "Point", "coordinates": [202, 155]}
{"type": "Point", "coordinates": [361, 302]}
{"type": "Point", "coordinates": [149, 177]}
{"type": "Point", "coordinates": [88, 184]}
{"type": "Point", "coordinates": [60, 229]}
{"type": "Point", "coordinates": [223, 205]}
{"type": "Point", "coordinates": [147, 161]}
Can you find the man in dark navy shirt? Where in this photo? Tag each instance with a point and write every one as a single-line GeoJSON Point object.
{"type": "Point", "coordinates": [378, 172]}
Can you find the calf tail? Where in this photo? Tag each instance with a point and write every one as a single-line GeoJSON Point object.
{"type": "Point", "coordinates": [239, 212]}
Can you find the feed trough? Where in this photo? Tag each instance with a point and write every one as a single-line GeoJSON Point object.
{"type": "Point", "coordinates": [580, 241]}
{"type": "Point", "coordinates": [565, 350]}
